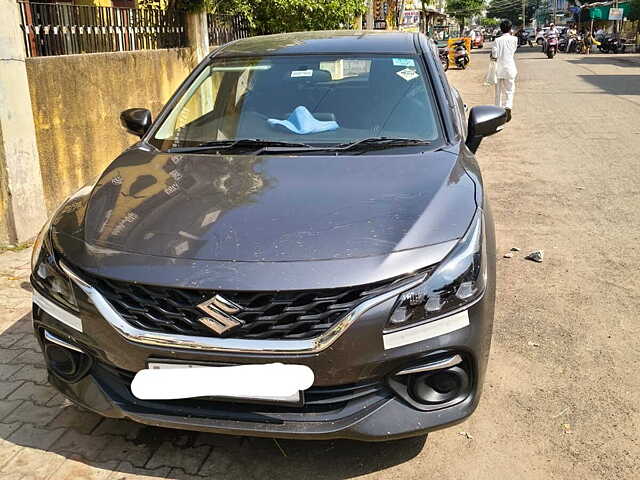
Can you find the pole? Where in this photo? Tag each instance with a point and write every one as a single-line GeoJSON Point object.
{"type": "Point", "coordinates": [555, 6]}
{"type": "Point", "coordinates": [370, 14]}
{"type": "Point", "coordinates": [523, 14]}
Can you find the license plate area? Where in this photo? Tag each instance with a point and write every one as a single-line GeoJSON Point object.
{"type": "Point", "coordinates": [296, 400]}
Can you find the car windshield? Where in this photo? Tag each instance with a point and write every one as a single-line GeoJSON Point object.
{"type": "Point", "coordinates": [315, 100]}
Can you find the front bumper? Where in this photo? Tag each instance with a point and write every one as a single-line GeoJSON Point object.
{"type": "Point", "coordinates": [352, 396]}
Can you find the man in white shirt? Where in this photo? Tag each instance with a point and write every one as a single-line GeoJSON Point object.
{"type": "Point", "coordinates": [503, 51]}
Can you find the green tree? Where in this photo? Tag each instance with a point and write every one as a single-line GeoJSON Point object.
{"type": "Point", "coordinates": [489, 22]}
{"type": "Point", "coordinates": [462, 9]}
{"type": "Point", "coordinates": [273, 16]}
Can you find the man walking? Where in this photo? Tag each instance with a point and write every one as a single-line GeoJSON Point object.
{"type": "Point", "coordinates": [503, 51]}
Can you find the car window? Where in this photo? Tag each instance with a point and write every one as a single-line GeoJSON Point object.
{"type": "Point", "coordinates": [316, 99]}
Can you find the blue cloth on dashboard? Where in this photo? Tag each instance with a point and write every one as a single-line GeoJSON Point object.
{"type": "Point", "coordinates": [301, 121]}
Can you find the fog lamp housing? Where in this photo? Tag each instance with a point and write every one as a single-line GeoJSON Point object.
{"type": "Point", "coordinates": [440, 380]}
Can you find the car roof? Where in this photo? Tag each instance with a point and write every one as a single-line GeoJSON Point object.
{"type": "Point", "coordinates": [322, 42]}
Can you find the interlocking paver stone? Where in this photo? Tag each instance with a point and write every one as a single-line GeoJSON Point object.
{"type": "Point", "coordinates": [78, 419]}
{"type": "Point", "coordinates": [29, 412]}
{"type": "Point", "coordinates": [6, 429]}
{"type": "Point", "coordinates": [85, 446]}
{"type": "Point", "coordinates": [27, 341]}
{"type": "Point", "coordinates": [8, 370]}
{"type": "Point", "coordinates": [115, 426]}
{"type": "Point", "coordinates": [39, 394]}
{"type": "Point", "coordinates": [30, 373]}
{"type": "Point", "coordinates": [33, 436]}
{"type": "Point", "coordinates": [8, 406]}
{"type": "Point", "coordinates": [120, 448]}
{"type": "Point", "coordinates": [8, 354]}
{"type": "Point", "coordinates": [188, 459]}
{"type": "Point", "coordinates": [8, 340]}
{"type": "Point", "coordinates": [8, 387]}
{"type": "Point", "coordinates": [30, 357]}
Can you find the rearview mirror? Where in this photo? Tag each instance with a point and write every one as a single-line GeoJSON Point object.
{"type": "Point", "coordinates": [484, 120]}
{"type": "Point", "coordinates": [136, 120]}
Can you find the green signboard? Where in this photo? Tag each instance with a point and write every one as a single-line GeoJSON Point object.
{"type": "Point", "coordinates": [602, 13]}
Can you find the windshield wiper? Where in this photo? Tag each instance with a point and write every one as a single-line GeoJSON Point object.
{"type": "Point", "coordinates": [363, 143]}
{"type": "Point", "coordinates": [374, 142]}
{"type": "Point", "coordinates": [241, 142]}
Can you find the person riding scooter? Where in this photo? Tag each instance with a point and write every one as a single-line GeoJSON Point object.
{"type": "Point", "coordinates": [550, 46]}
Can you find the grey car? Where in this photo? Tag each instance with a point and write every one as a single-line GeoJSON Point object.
{"type": "Point", "coordinates": [299, 245]}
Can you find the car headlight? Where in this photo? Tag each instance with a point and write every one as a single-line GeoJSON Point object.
{"type": "Point", "coordinates": [457, 282]}
{"type": "Point", "coordinates": [46, 275]}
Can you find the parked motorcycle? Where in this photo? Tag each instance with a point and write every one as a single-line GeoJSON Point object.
{"type": "Point", "coordinates": [551, 46]}
{"type": "Point", "coordinates": [444, 57]}
{"type": "Point", "coordinates": [611, 43]}
{"type": "Point", "coordinates": [460, 55]}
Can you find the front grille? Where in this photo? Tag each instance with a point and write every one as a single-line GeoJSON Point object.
{"type": "Point", "coordinates": [283, 315]}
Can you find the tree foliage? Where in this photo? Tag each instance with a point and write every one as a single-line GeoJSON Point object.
{"type": "Point", "coordinates": [462, 9]}
{"type": "Point", "coordinates": [271, 16]}
{"type": "Point", "coordinates": [489, 22]}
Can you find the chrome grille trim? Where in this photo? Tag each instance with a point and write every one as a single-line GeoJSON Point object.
{"type": "Point", "coordinates": [262, 346]}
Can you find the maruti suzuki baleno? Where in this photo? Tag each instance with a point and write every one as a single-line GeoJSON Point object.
{"type": "Point", "coordinates": [299, 245]}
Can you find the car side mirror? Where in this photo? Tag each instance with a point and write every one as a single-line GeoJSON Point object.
{"type": "Point", "coordinates": [484, 120]}
{"type": "Point", "coordinates": [136, 120]}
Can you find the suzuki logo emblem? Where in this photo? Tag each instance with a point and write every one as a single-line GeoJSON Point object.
{"type": "Point", "coordinates": [220, 311]}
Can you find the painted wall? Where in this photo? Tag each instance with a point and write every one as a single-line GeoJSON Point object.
{"type": "Point", "coordinates": [77, 100]}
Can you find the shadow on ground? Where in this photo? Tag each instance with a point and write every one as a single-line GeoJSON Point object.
{"type": "Point", "coordinates": [40, 424]}
{"type": "Point", "coordinates": [597, 59]}
{"type": "Point", "coordinates": [615, 84]}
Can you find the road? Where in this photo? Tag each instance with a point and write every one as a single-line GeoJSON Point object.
{"type": "Point", "coordinates": [562, 394]}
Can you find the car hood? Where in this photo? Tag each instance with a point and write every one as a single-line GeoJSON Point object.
{"type": "Point", "coordinates": [276, 208]}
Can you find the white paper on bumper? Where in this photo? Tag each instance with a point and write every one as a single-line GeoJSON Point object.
{"type": "Point", "coordinates": [270, 381]}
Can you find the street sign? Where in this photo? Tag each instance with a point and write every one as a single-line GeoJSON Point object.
{"type": "Point", "coordinates": [615, 13]}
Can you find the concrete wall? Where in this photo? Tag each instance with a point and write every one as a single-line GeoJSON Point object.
{"type": "Point", "coordinates": [77, 100]}
{"type": "Point", "coordinates": [6, 224]}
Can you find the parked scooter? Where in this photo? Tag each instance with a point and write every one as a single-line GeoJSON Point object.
{"type": "Point", "coordinates": [460, 55]}
{"type": "Point", "coordinates": [444, 57]}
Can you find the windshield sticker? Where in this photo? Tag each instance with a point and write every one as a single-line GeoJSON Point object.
{"type": "Point", "coordinates": [407, 74]}
{"type": "Point", "coordinates": [301, 73]}
{"type": "Point", "coordinates": [403, 62]}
